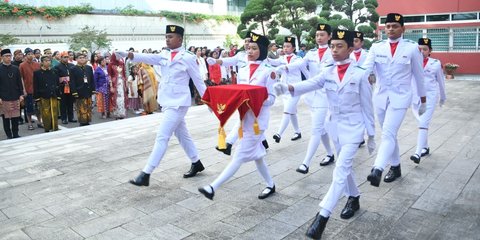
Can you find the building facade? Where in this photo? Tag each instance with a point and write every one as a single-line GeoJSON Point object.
{"type": "Point", "coordinates": [453, 26]}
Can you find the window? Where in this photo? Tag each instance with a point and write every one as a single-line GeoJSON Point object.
{"type": "Point", "coordinates": [440, 38]}
{"type": "Point", "coordinates": [236, 5]}
{"type": "Point", "coordinates": [383, 20]}
{"type": "Point", "coordinates": [464, 39]}
{"type": "Point", "coordinates": [197, 1]}
{"type": "Point", "coordinates": [413, 35]}
{"type": "Point", "coordinates": [464, 16]}
{"type": "Point", "coordinates": [436, 18]}
{"type": "Point", "coordinates": [409, 19]}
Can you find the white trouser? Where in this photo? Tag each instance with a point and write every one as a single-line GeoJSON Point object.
{"type": "Point", "coordinates": [172, 122]}
{"type": "Point", "coordinates": [343, 181]}
{"type": "Point", "coordinates": [318, 134]}
{"type": "Point", "coordinates": [424, 121]}
{"type": "Point", "coordinates": [250, 148]}
{"type": "Point", "coordinates": [390, 120]}
{"type": "Point", "coordinates": [232, 136]}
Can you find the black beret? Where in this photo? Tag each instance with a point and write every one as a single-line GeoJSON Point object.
{"type": "Point", "coordinates": [425, 41]}
{"type": "Point", "coordinates": [175, 29]}
{"type": "Point", "coordinates": [324, 27]}
{"type": "Point", "coordinates": [394, 17]}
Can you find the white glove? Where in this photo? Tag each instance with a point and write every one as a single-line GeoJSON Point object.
{"type": "Point", "coordinates": [121, 54]}
{"type": "Point", "coordinates": [422, 109]}
{"type": "Point", "coordinates": [442, 102]}
{"type": "Point", "coordinates": [280, 70]}
{"type": "Point", "coordinates": [280, 88]}
{"type": "Point", "coordinates": [211, 61]}
{"type": "Point", "coordinates": [371, 145]}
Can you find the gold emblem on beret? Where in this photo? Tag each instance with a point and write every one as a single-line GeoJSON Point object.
{"type": "Point", "coordinates": [425, 40]}
{"type": "Point", "coordinates": [341, 34]}
{"type": "Point", "coordinates": [322, 27]}
{"type": "Point", "coordinates": [397, 17]}
{"type": "Point", "coordinates": [221, 108]}
{"type": "Point", "coordinates": [359, 34]}
{"type": "Point", "coordinates": [289, 39]}
{"type": "Point", "coordinates": [254, 37]}
{"type": "Point", "coordinates": [172, 28]}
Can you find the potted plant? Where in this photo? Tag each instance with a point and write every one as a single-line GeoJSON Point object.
{"type": "Point", "coordinates": [450, 69]}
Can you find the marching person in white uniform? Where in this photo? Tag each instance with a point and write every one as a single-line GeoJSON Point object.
{"type": "Point", "coordinates": [397, 61]}
{"type": "Point", "coordinates": [315, 60]}
{"type": "Point", "coordinates": [250, 148]}
{"type": "Point", "coordinates": [359, 55]}
{"type": "Point", "coordinates": [292, 76]}
{"type": "Point", "coordinates": [434, 86]}
{"type": "Point", "coordinates": [349, 97]}
{"type": "Point", "coordinates": [239, 60]}
{"type": "Point", "coordinates": [178, 67]}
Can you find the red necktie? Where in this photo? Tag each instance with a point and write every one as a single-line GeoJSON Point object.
{"type": "Point", "coordinates": [321, 51]}
{"type": "Point", "coordinates": [173, 55]}
{"type": "Point", "coordinates": [341, 69]}
{"type": "Point", "coordinates": [425, 60]}
{"type": "Point", "coordinates": [357, 55]}
{"type": "Point", "coordinates": [253, 68]}
{"type": "Point", "coordinates": [393, 47]}
{"type": "Point", "coordinates": [289, 58]}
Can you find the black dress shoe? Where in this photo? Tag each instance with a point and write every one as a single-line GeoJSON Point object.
{"type": "Point", "coordinates": [361, 144]}
{"type": "Point", "coordinates": [196, 168]}
{"type": "Point", "coordinates": [425, 152]}
{"type": "Point", "coordinates": [353, 204]}
{"type": "Point", "coordinates": [301, 170]}
{"type": "Point", "coordinates": [266, 192]}
{"type": "Point", "coordinates": [317, 227]}
{"type": "Point", "coordinates": [393, 173]}
{"type": "Point", "coordinates": [328, 160]}
{"type": "Point", "coordinates": [277, 138]}
{"type": "Point", "coordinates": [374, 177]}
{"type": "Point", "coordinates": [64, 122]}
{"type": "Point", "coordinates": [296, 136]}
{"type": "Point", "coordinates": [206, 193]}
{"type": "Point", "coordinates": [227, 150]}
{"type": "Point", "coordinates": [415, 158]}
{"type": "Point", "coordinates": [265, 144]}
{"type": "Point", "coordinates": [16, 136]}
{"type": "Point", "coordinates": [142, 179]}
{"type": "Point", "coordinates": [73, 121]}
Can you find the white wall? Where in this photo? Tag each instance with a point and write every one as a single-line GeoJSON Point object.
{"type": "Point", "coordinates": [124, 31]}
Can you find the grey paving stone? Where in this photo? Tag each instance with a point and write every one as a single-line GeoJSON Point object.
{"type": "Point", "coordinates": [107, 222]}
{"type": "Point", "coordinates": [437, 199]}
{"type": "Point", "coordinates": [117, 233]}
{"type": "Point", "coordinates": [269, 229]}
{"type": "Point", "coordinates": [17, 223]}
{"type": "Point", "coordinates": [15, 235]}
{"type": "Point", "coordinates": [49, 233]}
{"type": "Point", "coordinates": [36, 177]}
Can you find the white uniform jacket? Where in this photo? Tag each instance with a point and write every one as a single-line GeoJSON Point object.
{"type": "Point", "coordinates": [261, 77]}
{"type": "Point", "coordinates": [176, 74]}
{"type": "Point", "coordinates": [394, 74]}
{"type": "Point", "coordinates": [240, 60]}
{"type": "Point", "coordinates": [293, 75]}
{"type": "Point", "coordinates": [361, 59]}
{"type": "Point", "coordinates": [312, 62]}
{"type": "Point", "coordinates": [434, 80]}
{"type": "Point", "coordinates": [350, 102]}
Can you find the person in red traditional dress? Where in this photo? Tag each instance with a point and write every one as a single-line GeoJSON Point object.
{"type": "Point", "coordinates": [250, 148]}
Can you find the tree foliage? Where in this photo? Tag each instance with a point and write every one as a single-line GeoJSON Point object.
{"type": "Point", "coordinates": [291, 14]}
{"type": "Point", "coordinates": [258, 13]}
{"type": "Point", "coordinates": [7, 39]}
{"type": "Point", "coordinates": [89, 38]}
{"type": "Point", "coordinates": [361, 15]}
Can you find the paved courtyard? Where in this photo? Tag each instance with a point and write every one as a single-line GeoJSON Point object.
{"type": "Point", "coordinates": [73, 184]}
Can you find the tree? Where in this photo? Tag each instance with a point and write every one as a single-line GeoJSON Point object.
{"type": "Point", "coordinates": [291, 14]}
{"type": "Point", "coordinates": [89, 38]}
{"type": "Point", "coordinates": [257, 12]}
{"type": "Point", "coordinates": [361, 15]}
{"type": "Point", "coordinates": [7, 39]}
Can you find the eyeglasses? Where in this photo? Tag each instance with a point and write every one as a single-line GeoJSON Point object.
{"type": "Point", "coordinates": [64, 56]}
